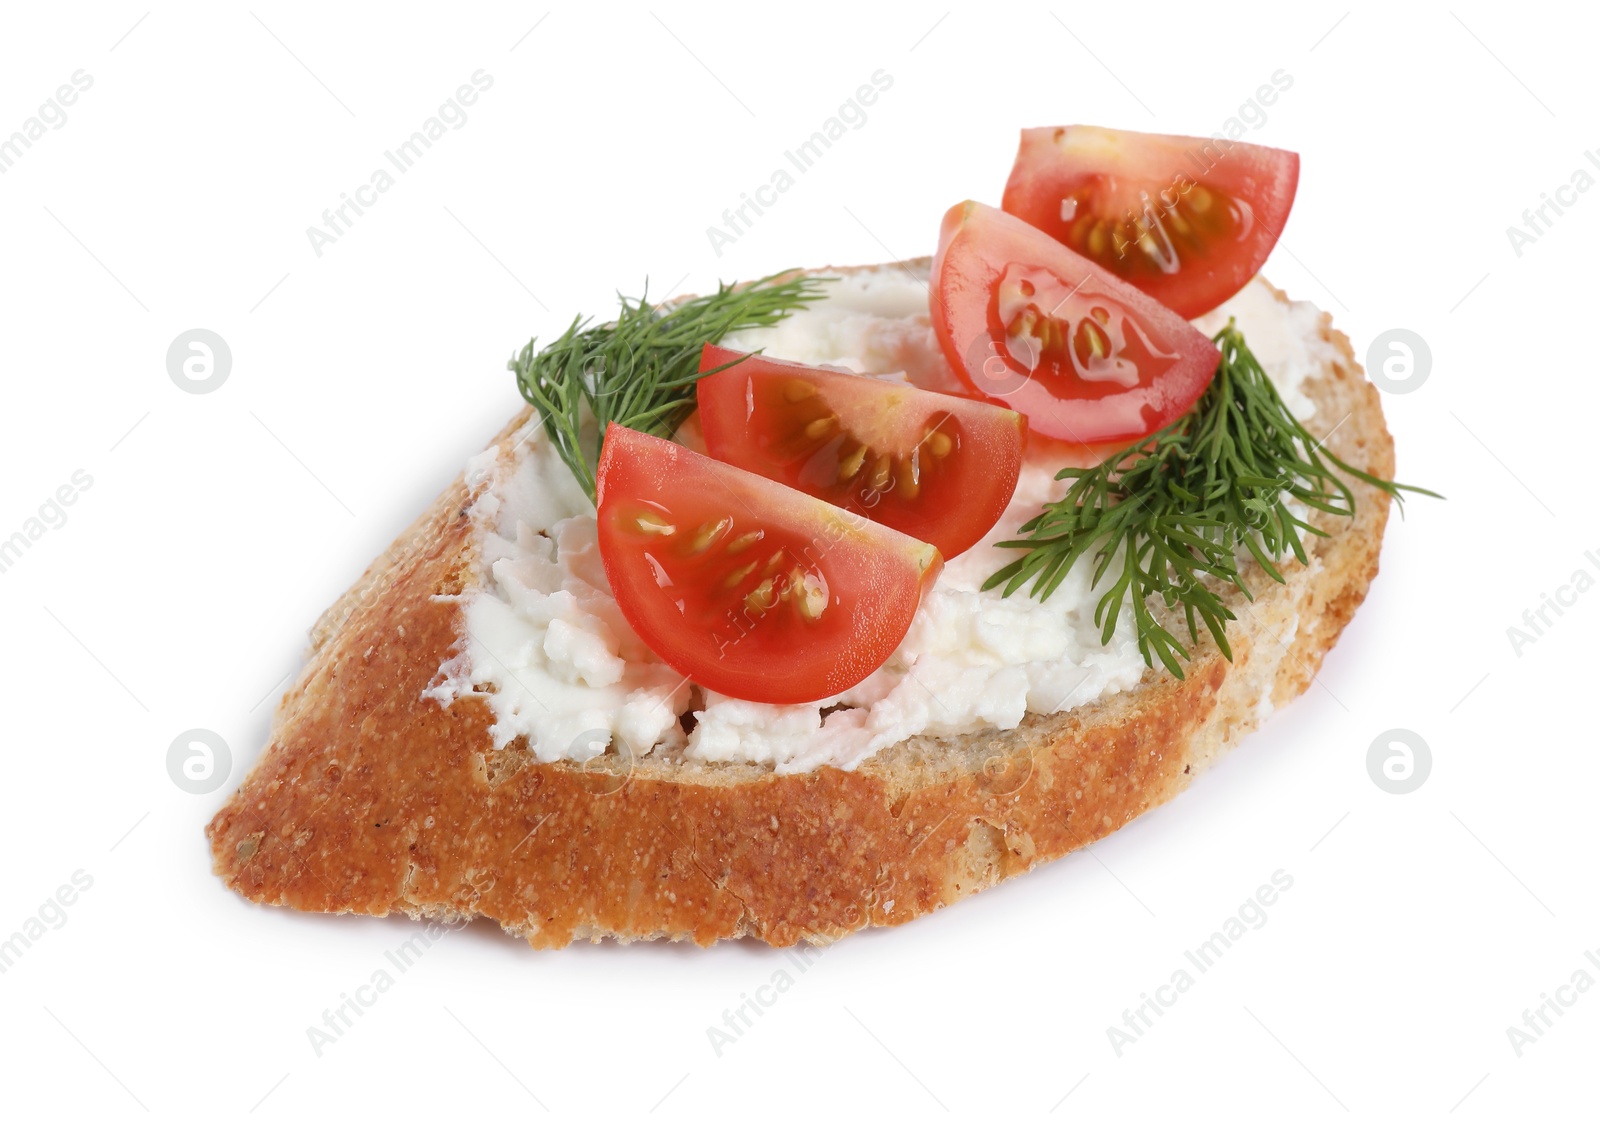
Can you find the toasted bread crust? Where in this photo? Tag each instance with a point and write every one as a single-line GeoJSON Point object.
{"type": "Point", "coordinates": [371, 798]}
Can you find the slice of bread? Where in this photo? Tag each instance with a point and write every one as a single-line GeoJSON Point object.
{"type": "Point", "coordinates": [371, 798]}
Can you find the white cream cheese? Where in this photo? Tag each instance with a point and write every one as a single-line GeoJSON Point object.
{"type": "Point", "coordinates": [547, 647]}
{"type": "Point", "coordinates": [1286, 336]}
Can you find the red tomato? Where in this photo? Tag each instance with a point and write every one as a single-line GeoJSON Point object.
{"type": "Point", "coordinates": [744, 585]}
{"type": "Point", "coordinates": [1087, 357]}
{"type": "Point", "coordinates": [937, 467]}
{"type": "Point", "coordinates": [1188, 220]}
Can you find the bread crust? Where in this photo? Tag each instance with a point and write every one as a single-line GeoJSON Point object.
{"type": "Point", "coordinates": [371, 798]}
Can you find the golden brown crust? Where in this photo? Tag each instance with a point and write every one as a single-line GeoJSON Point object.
{"type": "Point", "coordinates": [370, 798]}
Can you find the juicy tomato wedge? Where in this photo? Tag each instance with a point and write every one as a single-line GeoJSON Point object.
{"type": "Point", "coordinates": [1189, 220]}
{"type": "Point", "coordinates": [939, 468]}
{"type": "Point", "coordinates": [1087, 357]}
{"type": "Point", "coordinates": [744, 585]}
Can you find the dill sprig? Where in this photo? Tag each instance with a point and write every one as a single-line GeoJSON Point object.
{"type": "Point", "coordinates": [639, 370]}
{"type": "Point", "coordinates": [1175, 508]}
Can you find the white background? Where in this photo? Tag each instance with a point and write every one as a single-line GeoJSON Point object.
{"type": "Point", "coordinates": [178, 593]}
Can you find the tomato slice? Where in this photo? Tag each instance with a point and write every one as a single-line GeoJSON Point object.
{"type": "Point", "coordinates": [1087, 357]}
{"type": "Point", "coordinates": [939, 468]}
{"type": "Point", "coordinates": [744, 585]}
{"type": "Point", "coordinates": [1189, 220]}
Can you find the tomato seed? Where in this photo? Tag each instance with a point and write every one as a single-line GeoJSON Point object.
{"type": "Point", "coordinates": [761, 598]}
{"type": "Point", "coordinates": [851, 462]}
{"type": "Point", "coordinates": [652, 524]}
{"type": "Point", "coordinates": [813, 598]}
{"type": "Point", "coordinates": [879, 480]}
{"type": "Point", "coordinates": [708, 534]}
{"type": "Point", "coordinates": [908, 478]}
{"type": "Point", "coordinates": [744, 542]}
{"type": "Point", "coordinates": [739, 575]}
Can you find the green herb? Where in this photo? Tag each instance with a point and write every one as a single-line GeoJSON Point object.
{"type": "Point", "coordinates": [640, 369]}
{"type": "Point", "coordinates": [1174, 508]}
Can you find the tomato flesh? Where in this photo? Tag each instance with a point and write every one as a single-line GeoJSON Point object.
{"type": "Point", "coordinates": [745, 586]}
{"type": "Point", "coordinates": [1085, 356]}
{"type": "Point", "coordinates": [1188, 220]}
{"type": "Point", "coordinates": [939, 468]}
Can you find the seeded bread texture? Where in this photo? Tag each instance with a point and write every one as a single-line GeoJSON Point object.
{"type": "Point", "coordinates": [369, 798]}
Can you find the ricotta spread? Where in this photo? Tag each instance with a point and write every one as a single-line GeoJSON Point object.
{"type": "Point", "coordinates": [545, 644]}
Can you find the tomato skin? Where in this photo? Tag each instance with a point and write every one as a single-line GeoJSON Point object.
{"type": "Point", "coordinates": [937, 467]}
{"type": "Point", "coordinates": [1019, 318]}
{"type": "Point", "coordinates": [745, 586]}
{"type": "Point", "coordinates": [1129, 202]}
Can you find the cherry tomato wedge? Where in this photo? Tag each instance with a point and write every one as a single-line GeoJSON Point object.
{"type": "Point", "coordinates": [938, 467]}
{"type": "Point", "coordinates": [1087, 357]}
{"type": "Point", "coordinates": [744, 585]}
{"type": "Point", "coordinates": [1189, 220]}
